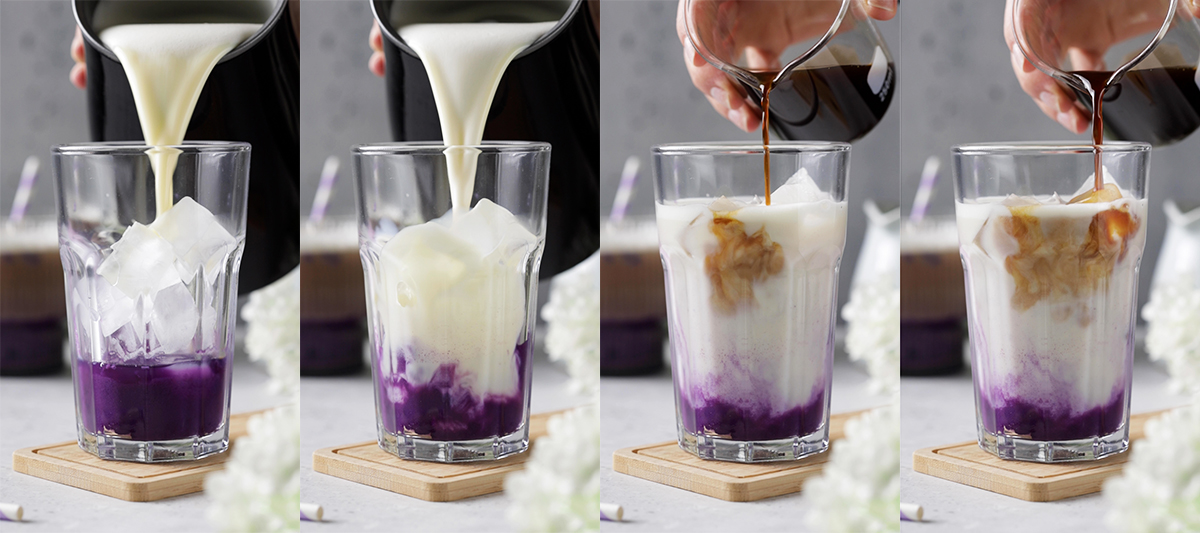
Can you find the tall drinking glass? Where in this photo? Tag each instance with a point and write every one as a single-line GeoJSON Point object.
{"type": "Point", "coordinates": [1051, 277]}
{"type": "Point", "coordinates": [751, 294]}
{"type": "Point", "coordinates": [451, 296]}
{"type": "Point", "coordinates": [151, 298]}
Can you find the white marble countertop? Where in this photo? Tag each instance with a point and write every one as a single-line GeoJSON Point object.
{"type": "Point", "coordinates": [641, 410]}
{"type": "Point", "coordinates": [341, 410]}
{"type": "Point", "coordinates": [41, 410]}
{"type": "Point", "coordinates": [941, 410]}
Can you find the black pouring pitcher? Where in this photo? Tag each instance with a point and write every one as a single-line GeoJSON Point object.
{"type": "Point", "coordinates": [252, 95]}
{"type": "Point", "coordinates": [550, 93]}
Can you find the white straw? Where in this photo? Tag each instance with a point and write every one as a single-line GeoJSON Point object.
{"type": "Point", "coordinates": [11, 512]}
{"type": "Point", "coordinates": [29, 174]}
{"type": "Point", "coordinates": [611, 512]}
{"type": "Point", "coordinates": [311, 512]}
{"type": "Point", "coordinates": [911, 512]}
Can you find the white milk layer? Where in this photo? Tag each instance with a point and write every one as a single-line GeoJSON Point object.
{"type": "Point", "coordinates": [1057, 333]}
{"type": "Point", "coordinates": [167, 65]}
{"type": "Point", "coordinates": [770, 350]}
{"type": "Point", "coordinates": [452, 292]}
{"type": "Point", "coordinates": [453, 289]}
{"type": "Point", "coordinates": [29, 236]}
{"type": "Point", "coordinates": [630, 236]}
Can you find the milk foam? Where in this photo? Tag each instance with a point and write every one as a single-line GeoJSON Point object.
{"type": "Point", "coordinates": [1065, 351]}
{"type": "Point", "coordinates": [775, 348]}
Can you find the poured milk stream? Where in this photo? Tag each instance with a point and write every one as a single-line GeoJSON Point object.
{"type": "Point", "coordinates": [167, 65]}
{"type": "Point", "coordinates": [453, 289]}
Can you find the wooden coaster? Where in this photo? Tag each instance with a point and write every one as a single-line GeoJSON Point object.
{"type": "Point", "coordinates": [969, 464]}
{"type": "Point", "coordinates": [668, 464]}
{"type": "Point", "coordinates": [68, 464]}
{"type": "Point", "coordinates": [367, 463]}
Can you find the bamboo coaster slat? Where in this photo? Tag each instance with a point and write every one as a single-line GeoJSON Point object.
{"type": "Point", "coordinates": [968, 464]}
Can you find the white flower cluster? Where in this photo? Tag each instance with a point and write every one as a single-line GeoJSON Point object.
{"type": "Point", "coordinates": [259, 490]}
{"type": "Point", "coordinates": [273, 331]}
{"type": "Point", "coordinates": [572, 316]}
{"type": "Point", "coordinates": [1173, 335]}
{"type": "Point", "coordinates": [873, 331]}
{"type": "Point", "coordinates": [859, 489]}
{"type": "Point", "coordinates": [1159, 490]}
{"type": "Point", "coordinates": [559, 490]}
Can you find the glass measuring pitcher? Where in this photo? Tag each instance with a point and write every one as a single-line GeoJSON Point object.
{"type": "Point", "coordinates": [1147, 52]}
{"type": "Point", "coordinates": [830, 74]}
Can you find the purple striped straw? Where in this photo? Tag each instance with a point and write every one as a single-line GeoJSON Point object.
{"type": "Point", "coordinates": [911, 512]}
{"type": "Point", "coordinates": [611, 512]}
{"type": "Point", "coordinates": [29, 174]}
{"type": "Point", "coordinates": [311, 512]}
{"type": "Point", "coordinates": [929, 177]}
{"type": "Point", "coordinates": [11, 512]}
{"type": "Point", "coordinates": [629, 176]}
{"type": "Point", "coordinates": [329, 175]}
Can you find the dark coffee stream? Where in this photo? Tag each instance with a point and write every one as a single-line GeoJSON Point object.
{"type": "Point", "coordinates": [836, 103]}
{"type": "Point", "coordinates": [1157, 105]}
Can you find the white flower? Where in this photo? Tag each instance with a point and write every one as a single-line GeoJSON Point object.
{"type": "Point", "coordinates": [859, 489]}
{"type": "Point", "coordinates": [559, 490]}
{"type": "Point", "coordinates": [873, 331]}
{"type": "Point", "coordinates": [259, 490]}
{"type": "Point", "coordinates": [572, 317]}
{"type": "Point", "coordinates": [1159, 490]}
{"type": "Point", "coordinates": [273, 331]}
{"type": "Point", "coordinates": [1173, 335]}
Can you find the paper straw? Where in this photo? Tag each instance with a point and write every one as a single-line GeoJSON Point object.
{"type": "Point", "coordinates": [611, 512]}
{"type": "Point", "coordinates": [329, 174]}
{"type": "Point", "coordinates": [11, 512]}
{"type": "Point", "coordinates": [929, 177]}
{"type": "Point", "coordinates": [311, 512]}
{"type": "Point", "coordinates": [629, 177]}
{"type": "Point", "coordinates": [29, 174]}
{"type": "Point", "coordinates": [911, 512]}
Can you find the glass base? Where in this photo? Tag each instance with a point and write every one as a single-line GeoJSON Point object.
{"type": "Point", "coordinates": [740, 451]}
{"type": "Point", "coordinates": [463, 451]}
{"type": "Point", "coordinates": [1064, 451]}
{"type": "Point", "coordinates": [162, 451]}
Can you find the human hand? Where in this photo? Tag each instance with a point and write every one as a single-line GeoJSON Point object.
{"type": "Point", "coordinates": [78, 74]}
{"type": "Point", "coordinates": [376, 63]}
{"type": "Point", "coordinates": [1084, 43]}
{"type": "Point", "coordinates": [762, 31]}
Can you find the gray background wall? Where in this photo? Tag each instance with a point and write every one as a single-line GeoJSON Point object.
{"type": "Point", "coordinates": [341, 103]}
{"type": "Point", "coordinates": [959, 87]}
{"type": "Point", "coordinates": [646, 98]}
{"type": "Point", "coordinates": [39, 107]}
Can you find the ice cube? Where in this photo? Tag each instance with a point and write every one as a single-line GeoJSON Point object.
{"type": "Point", "coordinates": [724, 205]}
{"type": "Point", "coordinates": [483, 226]}
{"type": "Point", "coordinates": [1110, 193]}
{"type": "Point", "coordinates": [429, 258]}
{"type": "Point", "coordinates": [1013, 200]}
{"type": "Point", "coordinates": [1090, 183]}
{"type": "Point", "coordinates": [141, 263]}
{"type": "Point", "coordinates": [198, 239]}
{"type": "Point", "coordinates": [125, 343]}
{"type": "Point", "coordinates": [113, 307]}
{"type": "Point", "coordinates": [800, 188]}
{"type": "Point", "coordinates": [175, 319]}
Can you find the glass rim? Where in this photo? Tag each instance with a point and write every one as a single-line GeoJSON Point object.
{"type": "Point", "coordinates": [438, 148]}
{"type": "Point", "coordinates": [781, 147]}
{"type": "Point", "coordinates": [1049, 147]}
{"type": "Point", "coordinates": [140, 148]}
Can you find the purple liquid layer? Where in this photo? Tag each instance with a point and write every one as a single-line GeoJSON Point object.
{"type": "Point", "coordinates": [631, 348]}
{"type": "Point", "coordinates": [930, 348]}
{"type": "Point", "coordinates": [31, 348]}
{"type": "Point", "coordinates": [153, 402]}
{"type": "Point", "coordinates": [331, 348]}
{"type": "Point", "coordinates": [739, 423]}
{"type": "Point", "coordinates": [445, 410]}
{"type": "Point", "coordinates": [1035, 422]}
